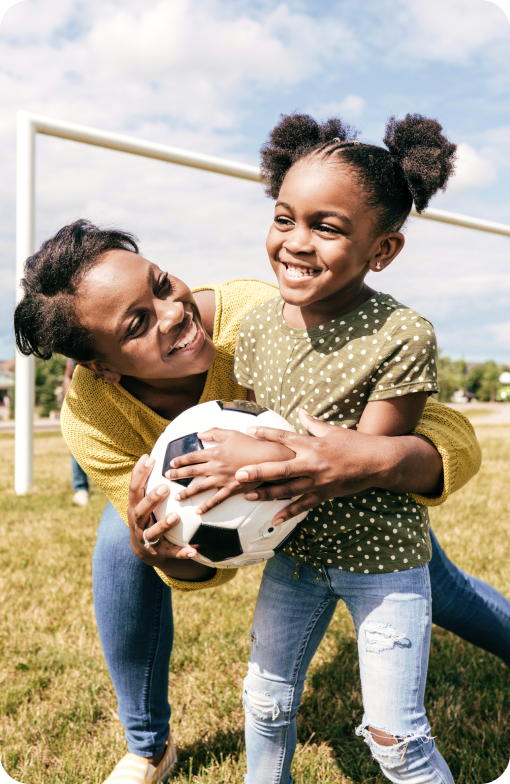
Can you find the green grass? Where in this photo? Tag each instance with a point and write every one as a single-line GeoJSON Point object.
{"type": "Point", "coordinates": [57, 708]}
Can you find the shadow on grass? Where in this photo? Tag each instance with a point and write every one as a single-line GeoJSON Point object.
{"type": "Point", "coordinates": [467, 702]}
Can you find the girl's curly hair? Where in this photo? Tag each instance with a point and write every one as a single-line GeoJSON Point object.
{"type": "Point", "coordinates": [45, 320]}
{"type": "Point", "coordinates": [417, 163]}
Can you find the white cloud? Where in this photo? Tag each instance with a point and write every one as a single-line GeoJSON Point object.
{"type": "Point", "coordinates": [472, 170]}
{"type": "Point", "coordinates": [352, 106]}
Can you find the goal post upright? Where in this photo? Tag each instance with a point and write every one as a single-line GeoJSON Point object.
{"type": "Point", "coordinates": [28, 126]}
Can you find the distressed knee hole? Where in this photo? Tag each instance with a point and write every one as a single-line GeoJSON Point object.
{"type": "Point", "coordinates": [253, 637]}
{"type": "Point", "coordinates": [381, 637]}
{"type": "Point", "coordinates": [261, 705]}
{"type": "Point", "coordinates": [387, 748]}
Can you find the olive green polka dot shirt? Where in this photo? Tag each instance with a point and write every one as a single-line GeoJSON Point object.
{"type": "Point", "coordinates": [377, 351]}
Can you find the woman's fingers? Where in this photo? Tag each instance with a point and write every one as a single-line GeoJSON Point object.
{"type": "Point", "coordinates": [143, 510]}
{"type": "Point", "coordinates": [266, 472]}
{"type": "Point", "coordinates": [303, 504]}
{"type": "Point", "coordinates": [139, 477]}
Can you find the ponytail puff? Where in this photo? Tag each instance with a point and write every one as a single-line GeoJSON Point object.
{"type": "Point", "coordinates": [296, 136]}
{"type": "Point", "coordinates": [425, 155]}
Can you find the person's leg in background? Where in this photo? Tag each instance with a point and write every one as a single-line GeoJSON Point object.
{"type": "Point", "coordinates": [134, 617]}
{"type": "Point", "coordinates": [468, 607]}
{"type": "Point", "coordinates": [80, 484]}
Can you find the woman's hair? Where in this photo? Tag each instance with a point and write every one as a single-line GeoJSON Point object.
{"type": "Point", "coordinates": [418, 162]}
{"type": "Point", "coordinates": [45, 319]}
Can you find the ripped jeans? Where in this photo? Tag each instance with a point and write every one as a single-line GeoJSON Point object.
{"type": "Point", "coordinates": [392, 617]}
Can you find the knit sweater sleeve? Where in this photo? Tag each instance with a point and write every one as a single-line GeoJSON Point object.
{"type": "Point", "coordinates": [454, 438]}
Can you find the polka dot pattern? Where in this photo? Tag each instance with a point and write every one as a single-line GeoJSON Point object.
{"type": "Point", "coordinates": [378, 351]}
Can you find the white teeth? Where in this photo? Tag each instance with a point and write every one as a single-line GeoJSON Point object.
{"type": "Point", "coordinates": [189, 337]}
{"type": "Point", "coordinates": [299, 272]}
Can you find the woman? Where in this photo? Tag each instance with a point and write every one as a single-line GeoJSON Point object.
{"type": "Point", "coordinates": [148, 349]}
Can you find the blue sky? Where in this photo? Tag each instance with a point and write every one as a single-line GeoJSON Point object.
{"type": "Point", "coordinates": [213, 75]}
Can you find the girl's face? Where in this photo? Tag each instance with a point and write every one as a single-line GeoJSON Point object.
{"type": "Point", "coordinates": [144, 322]}
{"type": "Point", "coordinates": [321, 243]}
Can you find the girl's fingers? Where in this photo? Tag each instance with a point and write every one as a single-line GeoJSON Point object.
{"type": "Point", "coordinates": [189, 459]}
{"type": "Point", "coordinates": [303, 504]}
{"type": "Point", "coordinates": [189, 471]}
{"type": "Point", "coordinates": [195, 488]}
{"type": "Point", "coordinates": [216, 434]}
{"type": "Point", "coordinates": [285, 437]}
{"type": "Point", "coordinates": [146, 506]}
{"type": "Point", "coordinates": [221, 495]}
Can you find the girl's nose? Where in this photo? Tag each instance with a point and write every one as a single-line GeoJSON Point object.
{"type": "Point", "coordinates": [170, 314]}
{"type": "Point", "coordinates": [299, 241]}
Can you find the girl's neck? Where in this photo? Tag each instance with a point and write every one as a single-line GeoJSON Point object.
{"type": "Point", "coordinates": [328, 309]}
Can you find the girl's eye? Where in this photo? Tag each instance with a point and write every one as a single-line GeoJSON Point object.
{"type": "Point", "coordinates": [325, 229]}
{"type": "Point", "coordinates": [281, 220]}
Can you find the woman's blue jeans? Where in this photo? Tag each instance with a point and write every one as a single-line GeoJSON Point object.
{"type": "Point", "coordinates": [134, 618]}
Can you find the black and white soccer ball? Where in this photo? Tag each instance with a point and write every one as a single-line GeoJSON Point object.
{"type": "Point", "coordinates": [237, 532]}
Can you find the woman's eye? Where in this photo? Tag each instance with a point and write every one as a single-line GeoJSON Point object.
{"type": "Point", "coordinates": [135, 329]}
{"type": "Point", "coordinates": [163, 284]}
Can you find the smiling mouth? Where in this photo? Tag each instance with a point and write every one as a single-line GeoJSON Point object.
{"type": "Point", "coordinates": [297, 271]}
{"type": "Point", "coordinates": [188, 336]}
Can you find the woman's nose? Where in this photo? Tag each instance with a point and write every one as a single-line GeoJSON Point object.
{"type": "Point", "coordinates": [170, 314]}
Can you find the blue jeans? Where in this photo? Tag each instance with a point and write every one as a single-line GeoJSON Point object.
{"type": "Point", "coordinates": [80, 479]}
{"type": "Point", "coordinates": [392, 618]}
{"type": "Point", "coordinates": [134, 618]}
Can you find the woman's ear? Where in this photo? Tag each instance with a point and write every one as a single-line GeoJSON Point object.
{"type": "Point", "coordinates": [102, 371]}
{"type": "Point", "coordinates": [385, 249]}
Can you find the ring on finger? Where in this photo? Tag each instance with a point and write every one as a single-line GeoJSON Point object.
{"type": "Point", "coordinates": [148, 544]}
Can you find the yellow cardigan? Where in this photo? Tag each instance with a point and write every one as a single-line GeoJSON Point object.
{"type": "Point", "coordinates": [107, 429]}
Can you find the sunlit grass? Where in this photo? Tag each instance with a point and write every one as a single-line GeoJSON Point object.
{"type": "Point", "coordinates": [57, 708]}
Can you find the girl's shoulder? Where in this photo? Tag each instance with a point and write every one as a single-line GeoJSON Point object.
{"type": "Point", "coordinates": [234, 299]}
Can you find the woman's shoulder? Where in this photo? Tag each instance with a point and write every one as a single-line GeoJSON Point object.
{"type": "Point", "coordinates": [234, 299]}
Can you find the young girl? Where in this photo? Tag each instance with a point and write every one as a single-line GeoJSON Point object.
{"type": "Point", "coordinates": [333, 348]}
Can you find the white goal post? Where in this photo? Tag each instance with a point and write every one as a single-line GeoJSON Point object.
{"type": "Point", "coordinates": [31, 124]}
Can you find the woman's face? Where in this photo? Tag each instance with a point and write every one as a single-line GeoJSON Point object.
{"type": "Point", "coordinates": [144, 322]}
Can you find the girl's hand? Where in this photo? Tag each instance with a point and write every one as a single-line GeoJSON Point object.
{"type": "Point", "coordinates": [166, 556]}
{"type": "Point", "coordinates": [218, 465]}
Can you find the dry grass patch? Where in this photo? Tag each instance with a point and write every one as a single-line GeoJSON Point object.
{"type": "Point", "coordinates": [57, 708]}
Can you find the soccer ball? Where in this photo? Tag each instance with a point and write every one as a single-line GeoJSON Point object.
{"type": "Point", "coordinates": [237, 532]}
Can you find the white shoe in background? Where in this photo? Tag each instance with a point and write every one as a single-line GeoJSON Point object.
{"type": "Point", "coordinates": [81, 498]}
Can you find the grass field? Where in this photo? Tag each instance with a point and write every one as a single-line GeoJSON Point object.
{"type": "Point", "coordinates": [57, 708]}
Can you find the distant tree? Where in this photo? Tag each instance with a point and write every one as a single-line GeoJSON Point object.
{"type": "Point", "coordinates": [450, 376]}
{"type": "Point", "coordinates": [49, 375]}
{"type": "Point", "coordinates": [483, 381]}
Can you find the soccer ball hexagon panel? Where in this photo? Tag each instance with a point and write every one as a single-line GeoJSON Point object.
{"type": "Point", "coordinates": [237, 532]}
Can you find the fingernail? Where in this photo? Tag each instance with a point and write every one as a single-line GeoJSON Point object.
{"type": "Point", "coordinates": [242, 475]}
{"type": "Point", "coordinates": [192, 554]}
{"type": "Point", "coordinates": [149, 463]}
{"type": "Point", "coordinates": [199, 511]}
{"type": "Point", "coordinates": [177, 497]}
{"type": "Point", "coordinates": [162, 490]}
{"type": "Point", "coordinates": [279, 521]}
{"type": "Point", "coordinates": [251, 496]}
{"type": "Point", "coordinates": [170, 519]}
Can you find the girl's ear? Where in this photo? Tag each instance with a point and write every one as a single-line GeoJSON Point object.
{"type": "Point", "coordinates": [102, 371]}
{"type": "Point", "coordinates": [385, 249]}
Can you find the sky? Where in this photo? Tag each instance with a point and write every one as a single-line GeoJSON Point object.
{"type": "Point", "coordinates": [213, 76]}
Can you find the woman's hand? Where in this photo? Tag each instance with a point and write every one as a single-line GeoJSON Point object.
{"type": "Point", "coordinates": [217, 465]}
{"type": "Point", "coordinates": [166, 556]}
{"type": "Point", "coordinates": [340, 462]}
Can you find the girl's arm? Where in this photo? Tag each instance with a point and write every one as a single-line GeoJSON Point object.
{"type": "Point", "coordinates": [397, 416]}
